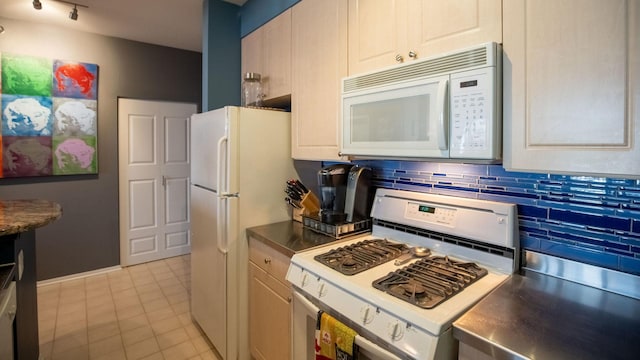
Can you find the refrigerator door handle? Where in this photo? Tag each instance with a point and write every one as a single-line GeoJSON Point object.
{"type": "Point", "coordinates": [222, 211]}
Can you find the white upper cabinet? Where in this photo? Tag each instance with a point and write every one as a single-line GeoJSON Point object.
{"type": "Point", "coordinates": [267, 51]}
{"type": "Point", "coordinates": [383, 33]}
{"type": "Point", "coordinates": [572, 86]}
{"type": "Point", "coordinates": [319, 53]}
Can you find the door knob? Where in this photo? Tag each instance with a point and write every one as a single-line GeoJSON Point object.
{"type": "Point", "coordinates": [413, 55]}
{"type": "Point", "coordinates": [399, 58]}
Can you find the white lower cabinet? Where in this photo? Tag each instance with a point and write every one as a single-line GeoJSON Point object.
{"type": "Point", "coordinates": [269, 303]}
{"type": "Point", "coordinates": [572, 86]}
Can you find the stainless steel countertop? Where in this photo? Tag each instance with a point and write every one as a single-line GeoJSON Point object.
{"type": "Point", "coordinates": [538, 316]}
{"type": "Point", "coordinates": [289, 237]}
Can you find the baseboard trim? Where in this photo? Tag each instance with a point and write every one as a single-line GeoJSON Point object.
{"type": "Point", "coordinates": [78, 275]}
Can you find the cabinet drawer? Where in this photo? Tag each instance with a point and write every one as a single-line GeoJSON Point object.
{"type": "Point", "coordinates": [269, 259]}
{"type": "Point", "coordinates": [281, 289]}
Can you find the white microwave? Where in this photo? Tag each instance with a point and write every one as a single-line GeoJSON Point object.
{"type": "Point", "coordinates": [444, 107]}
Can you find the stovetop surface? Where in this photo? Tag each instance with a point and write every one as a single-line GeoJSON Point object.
{"type": "Point", "coordinates": [425, 283]}
{"type": "Point", "coordinates": [360, 287]}
{"type": "Point", "coordinates": [465, 230]}
{"type": "Point", "coordinates": [359, 256]}
{"type": "Point", "coordinates": [430, 281]}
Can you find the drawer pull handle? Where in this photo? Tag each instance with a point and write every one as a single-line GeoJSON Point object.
{"type": "Point", "coordinates": [267, 261]}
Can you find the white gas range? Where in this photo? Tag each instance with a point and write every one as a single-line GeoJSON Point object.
{"type": "Point", "coordinates": [405, 311]}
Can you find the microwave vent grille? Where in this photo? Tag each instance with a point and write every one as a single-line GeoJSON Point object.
{"type": "Point", "coordinates": [442, 65]}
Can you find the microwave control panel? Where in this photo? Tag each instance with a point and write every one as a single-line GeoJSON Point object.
{"type": "Point", "coordinates": [472, 115]}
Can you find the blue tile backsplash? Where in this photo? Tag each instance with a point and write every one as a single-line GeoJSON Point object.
{"type": "Point", "coordinates": [593, 220]}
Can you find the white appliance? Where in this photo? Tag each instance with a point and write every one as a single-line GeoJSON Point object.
{"type": "Point", "coordinates": [406, 311]}
{"type": "Point", "coordinates": [447, 107]}
{"type": "Point", "coordinates": [240, 161]}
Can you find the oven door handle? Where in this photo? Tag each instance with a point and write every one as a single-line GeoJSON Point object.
{"type": "Point", "coordinates": [309, 306]}
{"type": "Point", "coordinates": [364, 344]}
{"type": "Point", "coordinates": [373, 349]}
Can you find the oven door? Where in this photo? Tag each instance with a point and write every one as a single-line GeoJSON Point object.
{"type": "Point", "coordinates": [304, 318]}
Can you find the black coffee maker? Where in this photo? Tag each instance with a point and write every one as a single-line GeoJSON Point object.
{"type": "Point", "coordinates": [345, 193]}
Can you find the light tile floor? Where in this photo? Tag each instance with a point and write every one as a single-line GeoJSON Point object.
{"type": "Point", "coordinates": [138, 312]}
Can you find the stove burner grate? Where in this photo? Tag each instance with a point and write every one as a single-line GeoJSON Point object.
{"type": "Point", "coordinates": [360, 256]}
{"type": "Point", "coordinates": [430, 281]}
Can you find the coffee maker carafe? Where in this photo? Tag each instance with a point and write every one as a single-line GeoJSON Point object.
{"type": "Point", "coordinates": [332, 181]}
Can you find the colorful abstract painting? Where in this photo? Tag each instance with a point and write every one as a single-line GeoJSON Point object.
{"type": "Point", "coordinates": [49, 117]}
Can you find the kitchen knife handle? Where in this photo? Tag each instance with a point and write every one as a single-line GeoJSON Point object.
{"type": "Point", "coordinates": [221, 219]}
{"type": "Point", "coordinates": [302, 187]}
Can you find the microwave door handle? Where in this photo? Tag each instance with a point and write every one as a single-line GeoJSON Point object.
{"type": "Point", "coordinates": [441, 103]}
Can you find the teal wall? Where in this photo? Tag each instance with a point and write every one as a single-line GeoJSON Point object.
{"type": "Point", "coordinates": [220, 55]}
{"type": "Point", "coordinates": [224, 25]}
{"type": "Point", "coordinates": [255, 13]}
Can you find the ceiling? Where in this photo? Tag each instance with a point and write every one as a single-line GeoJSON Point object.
{"type": "Point", "coordinates": [173, 23]}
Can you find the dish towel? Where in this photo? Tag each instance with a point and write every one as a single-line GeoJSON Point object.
{"type": "Point", "coordinates": [334, 340]}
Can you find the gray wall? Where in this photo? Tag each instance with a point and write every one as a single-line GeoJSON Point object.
{"type": "Point", "coordinates": [86, 237]}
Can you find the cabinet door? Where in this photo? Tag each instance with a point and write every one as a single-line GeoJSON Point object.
{"type": "Point", "coordinates": [383, 33]}
{"type": "Point", "coordinates": [276, 52]}
{"type": "Point", "coordinates": [251, 53]}
{"type": "Point", "coordinates": [571, 86]}
{"type": "Point", "coordinates": [267, 51]}
{"type": "Point", "coordinates": [377, 33]}
{"type": "Point", "coordinates": [319, 62]}
{"type": "Point", "coordinates": [269, 316]}
{"type": "Point", "coordinates": [437, 26]}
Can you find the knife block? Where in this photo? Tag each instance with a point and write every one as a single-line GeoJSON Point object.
{"type": "Point", "coordinates": [310, 204]}
{"type": "Point", "coordinates": [296, 214]}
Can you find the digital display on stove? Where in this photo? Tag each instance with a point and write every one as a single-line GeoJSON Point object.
{"type": "Point", "coordinates": [426, 209]}
{"type": "Point", "coordinates": [430, 213]}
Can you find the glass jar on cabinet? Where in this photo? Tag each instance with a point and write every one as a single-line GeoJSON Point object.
{"type": "Point", "coordinates": [251, 90]}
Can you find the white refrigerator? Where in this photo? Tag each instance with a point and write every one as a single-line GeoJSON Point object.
{"type": "Point", "coordinates": [240, 161]}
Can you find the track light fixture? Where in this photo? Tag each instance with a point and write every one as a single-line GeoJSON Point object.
{"type": "Point", "coordinates": [73, 15]}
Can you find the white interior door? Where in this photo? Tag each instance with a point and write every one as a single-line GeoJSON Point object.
{"type": "Point", "coordinates": [153, 158]}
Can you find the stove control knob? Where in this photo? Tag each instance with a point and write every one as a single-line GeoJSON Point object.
{"type": "Point", "coordinates": [322, 289]}
{"type": "Point", "coordinates": [366, 314]}
{"type": "Point", "coordinates": [304, 280]}
{"type": "Point", "coordinates": [395, 330]}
